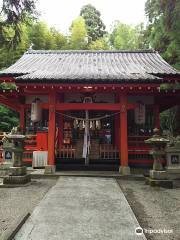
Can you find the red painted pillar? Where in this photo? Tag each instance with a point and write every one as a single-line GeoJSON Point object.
{"type": "Point", "coordinates": [124, 168]}
{"type": "Point", "coordinates": [60, 131]}
{"type": "Point", "coordinates": [51, 129]}
{"type": "Point", "coordinates": [156, 117]}
{"type": "Point", "coordinates": [22, 118]}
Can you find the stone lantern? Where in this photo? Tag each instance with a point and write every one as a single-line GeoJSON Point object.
{"type": "Point", "coordinates": [14, 142]}
{"type": "Point", "coordinates": [173, 158]}
{"type": "Point", "coordinates": [158, 176]}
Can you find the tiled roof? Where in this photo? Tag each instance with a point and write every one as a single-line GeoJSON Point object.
{"type": "Point", "coordinates": [90, 66]}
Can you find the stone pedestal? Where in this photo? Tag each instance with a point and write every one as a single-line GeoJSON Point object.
{"type": "Point", "coordinates": [13, 144]}
{"type": "Point", "coordinates": [50, 169]}
{"type": "Point", "coordinates": [124, 170]}
{"type": "Point", "coordinates": [17, 180]}
{"type": "Point", "coordinates": [159, 178]}
{"type": "Point", "coordinates": [158, 175]}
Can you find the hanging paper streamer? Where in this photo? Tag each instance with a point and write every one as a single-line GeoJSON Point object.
{"type": "Point", "coordinates": [98, 124]}
{"type": "Point", "coordinates": [75, 123]}
{"type": "Point", "coordinates": [93, 125]}
{"type": "Point", "coordinates": [86, 145]}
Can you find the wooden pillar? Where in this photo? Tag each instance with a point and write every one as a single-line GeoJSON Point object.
{"type": "Point", "coordinates": [60, 131]}
{"type": "Point", "coordinates": [156, 117]}
{"type": "Point", "coordinates": [124, 168]}
{"type": "Point", "coordinates": [22, 119]}
{"type": "Point", "coordinates": [51, 133]}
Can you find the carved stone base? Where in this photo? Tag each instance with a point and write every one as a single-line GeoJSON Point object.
{"type": "Point", "coordinates": [124, 170]}
{"type": "Point", "coordinates": [160, 183]}
{"type": "Point", "coordinates": [17, 180]}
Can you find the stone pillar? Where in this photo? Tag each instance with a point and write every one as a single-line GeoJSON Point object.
{"type": "Point", "coordinates": [124, 168]}
{"type": "Point", "coordinates": [50, 168]}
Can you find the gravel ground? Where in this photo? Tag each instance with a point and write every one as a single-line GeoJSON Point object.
{"type": "Point", "coordinates": [16, 202]}
{"type": "Point", "coordinates": [155, 208]}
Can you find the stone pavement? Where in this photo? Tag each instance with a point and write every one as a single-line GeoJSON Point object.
{"type": "Point", "coordinates": [82, 208]}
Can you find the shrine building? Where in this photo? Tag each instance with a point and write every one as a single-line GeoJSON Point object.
{"type": "Point", "coordinates": [89, 109]}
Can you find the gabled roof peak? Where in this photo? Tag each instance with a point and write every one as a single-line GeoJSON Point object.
{"type": "Point", "coordinates": [31, 51]}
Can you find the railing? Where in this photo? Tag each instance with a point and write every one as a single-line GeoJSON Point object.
{"type": "Point", "coordinates": [29, 147]}
{"type": "Point", "coordinates": [108, 151]}
{"type": "Point", "coordinates": [67, 151]}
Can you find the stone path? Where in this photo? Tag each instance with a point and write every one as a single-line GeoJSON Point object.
{"type": "Point", "coordinates": [82, 208]}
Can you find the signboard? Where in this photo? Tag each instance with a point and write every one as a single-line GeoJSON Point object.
{"type": "Point", "coordinates": [8, 155]}
{"type": "Point", "coordinates": [175, 159]}
{"type": "Point", "coordinates": [140, 113]}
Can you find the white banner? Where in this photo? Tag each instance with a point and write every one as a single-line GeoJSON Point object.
{"type": "Point", "coordinates": [140, 113]}
{"type": "Point", "coordinates": [86, 145]}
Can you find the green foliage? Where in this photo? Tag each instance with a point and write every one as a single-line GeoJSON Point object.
{"type": "Point", "coordinates": [10, 55]}
{"type": "Point", "coordinates": [43, 37]}
{"type": "Point", "coordinates": [13, 14]}
{"type": "Point", "coordinates": [99, 44]}
{"type": "Point", "coordinates": [78, 37]}
{"type": "Point", "coordinates": [163, 31]}
{"type": "Point", "coordinates": [95, 26]}
{"type": "Point", "coordinates": [124, 36]}
{"type": "Point", "coordinates": [8, 119]}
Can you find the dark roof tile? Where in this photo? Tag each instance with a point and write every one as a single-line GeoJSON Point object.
{"type": "Point", "coordinates": [86, 65]}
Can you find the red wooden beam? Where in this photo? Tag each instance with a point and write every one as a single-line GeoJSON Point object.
{"type": "Point", "coordinates": [7, 79]}
{"type": "Point", "coordinates": [90, 106]}
{"type": "Point", "coordinates": [14, 106]}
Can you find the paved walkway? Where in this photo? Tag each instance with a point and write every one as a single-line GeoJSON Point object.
{"type": "Point", "coordinates": [82, 208]}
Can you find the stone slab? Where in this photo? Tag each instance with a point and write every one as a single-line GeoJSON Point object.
{"type": "Point", "coordinates": [154, 174]}
{"type": "Point", "coordinates": [80, 208]}
{"type": "Point", "coordinates": [18, 171]}
{"type": "Point", "coordinates": [160, 183]}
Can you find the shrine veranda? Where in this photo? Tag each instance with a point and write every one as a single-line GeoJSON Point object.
{"type": "Point", "coordinates": [120, 91]}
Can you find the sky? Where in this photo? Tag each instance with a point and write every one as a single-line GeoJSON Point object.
{"type": "Point", "coordinates": [61, 13]}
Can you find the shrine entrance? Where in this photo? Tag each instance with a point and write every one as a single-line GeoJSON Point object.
{"type": "Point", "coordinates": [100, 139]}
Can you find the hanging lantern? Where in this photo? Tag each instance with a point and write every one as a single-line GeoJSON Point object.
{"type": "Point", "coordinates": [36, 111]}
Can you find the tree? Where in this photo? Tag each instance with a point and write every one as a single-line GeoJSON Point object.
{"type": "Point", "coordinates": [9, 55]}
{"type": "Point", "coordinates": [99, 44]}
{"type": "Point", "coordinates": [9, 119]}
{"type": "Point", "coordinates": [59, 39]}
{"type": "Point", "coordinates": [78, 37]}
{"type": "Point", "coordinates": [164, 28]}
{"type": "Point", "coordinates": [95, 26]}
{"type": "Point", "coordinates": [13, 14]}
{"type": "Point", "coordinates": [124, 36]}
